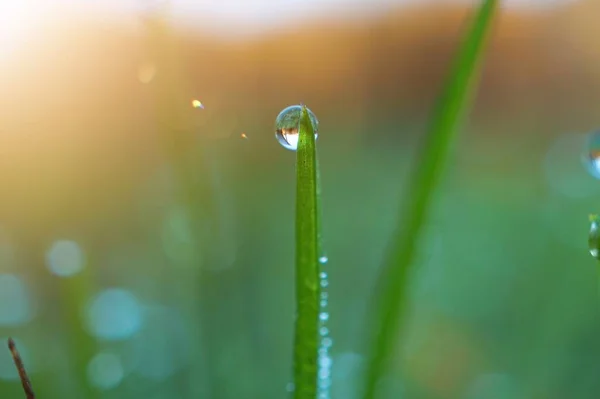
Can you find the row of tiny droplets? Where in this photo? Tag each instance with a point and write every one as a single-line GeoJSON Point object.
{"type": "Point", "coordinates": [325, 362]}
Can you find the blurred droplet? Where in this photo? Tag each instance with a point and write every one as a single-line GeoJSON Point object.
{"type": "Point", "coordinates": [65, 258]}
{"type": "Point", "coordinates": [323, 259]}
{"type": "Point", "coordinates": [15, 303]}
{"type": "Point", "coordinates": [146, 73]}
{"type": "Point", "coordinates": [563, 169]}
{"type": "Point", "coordinates": [197, 104]}
{"type": "Point", "coordinates": [114, 314]}
{"type": "Point", "coordinates": [244, 136]}
{"type": "Point", "coordinates": [591, 154]}
{"type": "Point", "coordinates": [594, 236]}
{"type": "Point", "coordinates": [105, 371]}
{"type": "Point", "coordinates": [287, 123]}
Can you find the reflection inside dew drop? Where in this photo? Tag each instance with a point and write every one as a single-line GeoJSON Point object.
{"type": "Point", "coordinates": [286, 126]}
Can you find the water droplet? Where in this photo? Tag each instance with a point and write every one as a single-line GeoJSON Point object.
{"type": "Point", "coordinates": [323, 303]}
{"type": "Point", "coordinates": [323, 316]}
{"type": "Point", "coordinates": [592, 154]}
{"type": "Point", "coordinates": [327, 342]}
{"type": "Point", "coordinates": [324, 295]}
{"type": "Point", "coordinates": [244, 136]}
{"type": "Point", "coordinates": [324, 331]}
{"type": "Point", "coordinates": [286, 126]}
{"type": "Point", "coordinates": [325, 361]}
{"type": "Point", "coordinates": [323, 275]}
{"type": "Point", "coordinates": [197, 104]}
{"type": "Point", "coordinates": [594, 237]}
{"type": "Point", "coordinates": [324, 283]}
{"type": "Point", "coordinates": [323, 260]}
{"type": "Point", "coordinates": [324, 383]}
{"type": "Point", "coordinates": [324, 373]}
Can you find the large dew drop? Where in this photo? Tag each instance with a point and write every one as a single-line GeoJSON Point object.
{"type": "Point", "coordinates": [287, 123]}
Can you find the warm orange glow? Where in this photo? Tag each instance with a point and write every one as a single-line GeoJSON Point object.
{"type": "Point", "coordinates": [18, 18]}
{"type": "Point", "coordinates": [146, 72]}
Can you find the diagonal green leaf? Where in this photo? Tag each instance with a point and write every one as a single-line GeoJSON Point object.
{"type": "Point", "coordinates": [391, 301]}
{"type": "Point", "coordinates": [307, 267]}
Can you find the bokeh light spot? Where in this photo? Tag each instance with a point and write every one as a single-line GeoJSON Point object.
{"type": "Point", "coordinates": [65, 258]}
{"type": "Point", "coordinates": [105, 371]}
{"type": "Point", "coordinates": [15, 303]}
{"type": "Point", "coordinates": [114, 314]}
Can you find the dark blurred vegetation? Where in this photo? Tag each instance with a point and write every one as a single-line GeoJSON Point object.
{"type": "Point", "coordinates": [505, 301]}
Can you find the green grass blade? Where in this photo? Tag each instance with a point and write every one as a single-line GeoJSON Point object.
{"type": "Point", "coordinates": [307, 267]}
{"type": "Point", "coordinates": [391, 300]}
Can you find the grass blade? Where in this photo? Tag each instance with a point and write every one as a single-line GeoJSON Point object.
{"type": "Point", "coordinates": [391, 304]}
{"type": "Point", "coordinates": [307, 267]}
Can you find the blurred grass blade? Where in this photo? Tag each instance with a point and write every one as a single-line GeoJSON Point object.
{"type": "Point", "coordinates": [307, 266]}
{"type": "Point", "coordinates": [25, 382]}
{"type": "Point", "coordinates": [392, 294]}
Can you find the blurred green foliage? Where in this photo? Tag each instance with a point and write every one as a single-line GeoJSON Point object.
{"type": "Point", "coordinates": [504, 302]}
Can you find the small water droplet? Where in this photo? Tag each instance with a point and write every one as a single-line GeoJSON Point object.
{"type": "Point", "coordinates": [197, 104]}
{"type": "Point", "coordinates": [244, 136]}
{"type": "Point", "coordinates": [327, 342]}
{"type": "Point", "coordinates": [594, 236]}
{"type": "Point", "coordinates": [286, 126]}
{"type": "Point", "coordinates": [290, 387]}
{"type": "Point", "coordinates": [324, 295]}
{"type": "Point", "coordinates": [323, 275]}
{"type": "Point", "coordinates": [591, 154]}
{"type": "Point", "coordinates": [323, 259]}
{"type": "Point", "coordinates": [324, 283]}
{"type": "Point", "coordinates": [323, 303]}
{"type": "Point", "coordinates": [324, 383]}
{"type": "Point", "coordinates": [325, 361]}
{"type": "Point", "coordinates": [324, 331]}
{"type": "Point", "coordinates": [323, 316]}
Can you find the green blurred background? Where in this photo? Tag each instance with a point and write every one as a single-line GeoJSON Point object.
{"type": "Point", "coordinates": [113, 288]}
